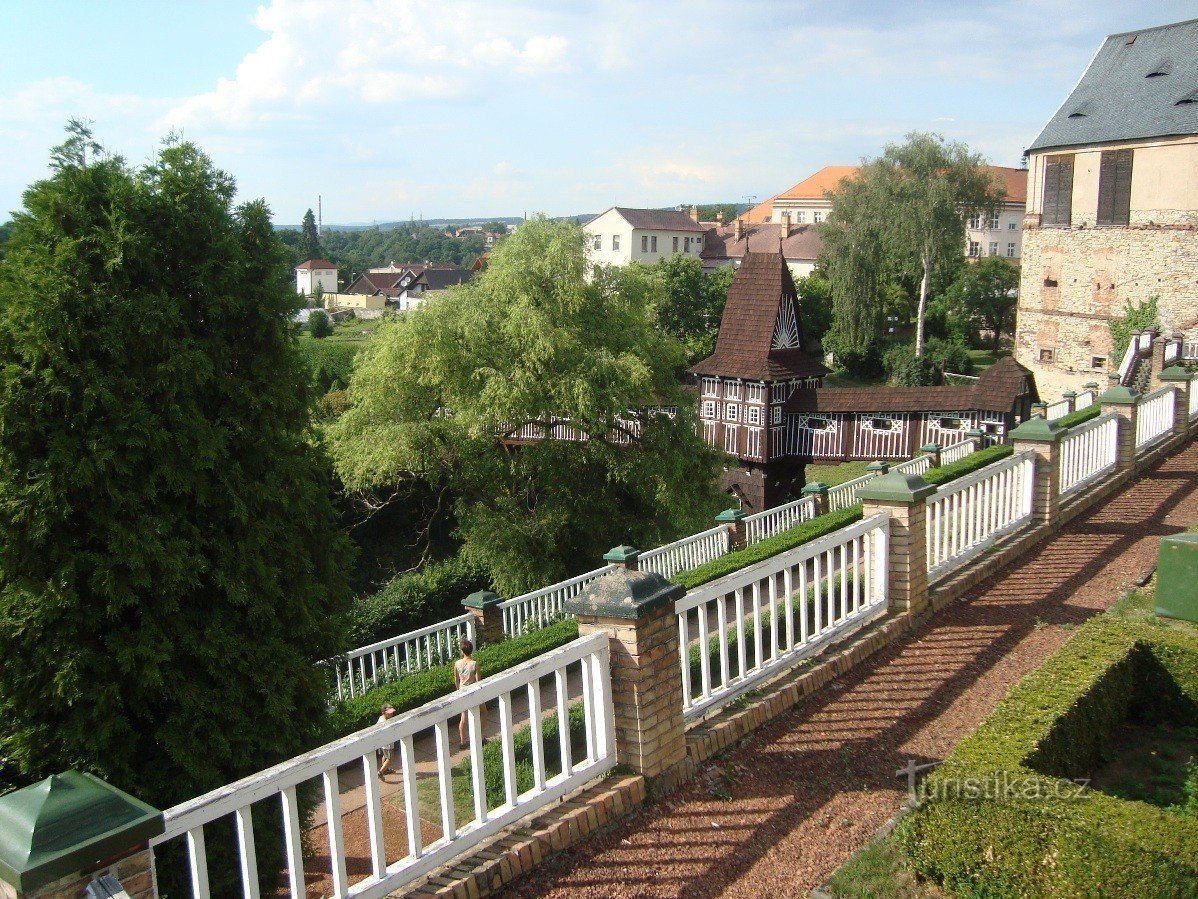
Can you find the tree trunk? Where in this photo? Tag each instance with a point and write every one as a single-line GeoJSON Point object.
{"type": "Point", "coordinates": [998, 333]}
{"type": "Point", "coordinates": [923, 305]}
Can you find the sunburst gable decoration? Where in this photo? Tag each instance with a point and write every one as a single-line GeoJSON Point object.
{"type": "Point", "coordinates": [786, 328]}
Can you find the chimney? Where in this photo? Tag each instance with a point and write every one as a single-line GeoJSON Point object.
{"type": "Point", "coordinates": [695, 214]}
{"type": "Point", "coordinates": [719, 217]}
{"type": "Point", "coordinates": [785, 225]}
{"type": "Point", "coordinates": [738, 229]}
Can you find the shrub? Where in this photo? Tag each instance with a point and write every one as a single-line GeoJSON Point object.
{"type": "Point", "coordinates": [904, 369]}
{"type": "Point", "coordinates": [522, 746]}
{"type": "Point", "coordinates": [319, 325]}
{"type": "Point", "coordinates": [968, 465]}
{"type": "Point", "coordinates": [949, 356]}
{"type": "Point", "coordinates": [416, 689]}
{"type": "Point", "coordinates": [331, 362]}
{"type": "Point", "coordinates": [414, 599]}
{"type": "Point", "coordinates": [1081, 416]}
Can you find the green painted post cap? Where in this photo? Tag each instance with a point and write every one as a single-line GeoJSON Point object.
{"type": "Point", "coordinates": [1038, 430]}
{"type": "Point", "coordinates": [1090, 385]}
{"type": "Point", "coordinates": [815, 487]}
{"type": "Point", "coordinates": [623, 554]}
{"type": "Point", "coordinates": [66, 823]}
{"type": "Point", "coordinates": [1118, 396]}
{"type": "Point", "coordinates": [625, 594]}
{"type": "Point", "coordinates": [731, 515]}
{"type": "Point", "coordinates": [1069, 394]}
{"type": "Point", "coordinates": [896, 486]}
{"type": "Point", "coordinates": [482, 599]}
{"type": "Point", "coordinates": [930, 448]}
{"type": "Point", "coordinates": [975, 432]}
{"type": "Point", "coordinates": [878, 466]}
{"type": "Point", "coordinates": [1175, 373]}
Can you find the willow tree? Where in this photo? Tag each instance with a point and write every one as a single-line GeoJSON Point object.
{"type": "Point", "coordinates": [446, 391]}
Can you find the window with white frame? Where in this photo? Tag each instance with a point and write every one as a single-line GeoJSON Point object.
{"type": "Point", "coordinates": [1189, 349]}
{"type": "Point", "coordinates": [753, 450]}
{"type": "Point", "coordinates": [731, 411]}
{"type": "Point", "coordinates": [653, 244]}
{"type": "Point", "coordinates": [711, 386]}
{"type": "Point", "coordinates": [815, 423]}
{"type": "Point", "coordinates": [779, 392]}
{"type": "Point", "coordinates": [597, 242]}
{"type": "Point", "coordinates": [730, 441]}
{"type": "Point", "coordinates": [644, 243]}
{"type": "Point", "coordinates": [1012, 225]}
{"type": "Point", "coordinates": [776, 415]}
{"type": "Point", "coordinates": [882, 424]}
{"type": "Point", "coordinates": [753, 415]}
{"type": "Point", "coordinates": [975, 249]}
{"type": "Point", "coordinates": [709, 408]}
{"type": "Point", "coordinates": [817, 217]}
{"type": "Point", "coordinates": [975, 222]}
{"type": "Point", "coordinates": [800, 218]}
{"type": "Point", "coordinates": [732, 390]}
{"type": "Point", "coordinates": [994, 248]}
{"type": "Point", "coordinates": [1011, 250]}
{"type": "Point", "coordinates": [993, 223]}
{"type": "Point", "coordinates": [615, 241]}
{"type": "Point", "coordinates": [756, 393]}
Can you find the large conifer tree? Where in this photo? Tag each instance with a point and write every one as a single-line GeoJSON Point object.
{"type": "Point", "coordinates": [169, 560]}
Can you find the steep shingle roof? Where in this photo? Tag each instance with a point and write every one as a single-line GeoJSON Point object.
{"type": "Point", "coordinates": [656, 219]}
{"type": "Point", "coordinates": [744, 347]}
{"type": "Point", "coordinates": [1140, 84]}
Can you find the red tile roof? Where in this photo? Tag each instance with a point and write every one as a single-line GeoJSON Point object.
{"type": "Point", "coordinates": [743, 348]}
{"type": "Point", "coordinates": [823, 181]}
{"type": "Point", "coordinates": [720, 242]}
{"type": "Point", "coordinates": [317, 264]}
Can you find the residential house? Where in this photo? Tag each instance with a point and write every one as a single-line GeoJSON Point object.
{"type": "Point", "coordinates": [312, 275]}
{"type": "Point", "coordinates": [727, 244]}
{"type": "Point", "coordinates": [621, 235]}
{"type": "Point", "coordinates": [406, 286]}
{"type": "Point", "coordinates": [1112, 207]}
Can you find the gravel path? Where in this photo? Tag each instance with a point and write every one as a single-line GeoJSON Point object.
{"type": "Point", "coordinates": [813, 785]}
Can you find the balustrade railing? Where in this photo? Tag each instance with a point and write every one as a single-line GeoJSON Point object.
{"type": "Point", "coordinates": [968, 515]}
{"type": "Point", "coordinates": [1194, 396]}
{"type": "Point", "coordinates": [540, 607]}
{"type": "Point", "coordinates": [769, 615]}
{"type": "Point", "coordinates": [368, 666]}
{"type": "Point", "coordinates": [1056, 410]}
{"type": "Point", "coordinates": [844, 495]}
{"type": "Point", "coordinates": [1084, 400]}
{"type": "Point", "coordinates": [1129, 360]}
{"type": "Point", "coordinates": [1154, 417]}
{"type": "Point", "coordinates": [555, 772]}
{"type": "Point", "coordinates": [778, 519]}
{"type": "Point", "coordinates": [956, 452]}
{"type": "Point", "coordinates": [918, 465]}
{"type": "Point", "coordinates": [1088, 452]}
{"type": "Point", "coordinates": [687, 553]}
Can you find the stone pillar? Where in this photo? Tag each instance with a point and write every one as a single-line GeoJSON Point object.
{"type": "Point", "coordinates": [933, 450]}
{"type": "Point", "coordinates": [734, 521]}
{"type": "Point", "coordinates": [1122, 402]}
{"type": "Point", "coordinates": [902, 497]}
{"type": "Point", "coordinates": [1042, 437]}
{"type": "Point", "coordinates": [1180, 379]}
{"type": "Point", "coordinates": [636, 610]}
{"type": "Point", "coordinates": [978, 436]}
{"type": "Point", "coordinates": [1039, 409]}
{"type": "Point", "coordinates": [819, 490]}
{"type": "Point", "coordinates": [488, 617]}
{"type": "Point", "coordinates": [1159, 342]}
{"type": "Point", "coordinates": [59, 835]}
{"type": "Point", "coordinates": [1070, 398]}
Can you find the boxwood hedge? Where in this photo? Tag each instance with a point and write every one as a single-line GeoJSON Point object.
{"type": "Point", "coordinates": [997, 818]}
{"type": "Point", "coordinates": [1081, 416]}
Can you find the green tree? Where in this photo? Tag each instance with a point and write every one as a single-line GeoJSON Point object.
{"type": "Point", "coordinates": [310, 237]}
{"type": "Point", "coordinates": [986, 292]}
{"type": "Point", "coordinates": [815, 304]}
{"type": "Point", "coordinates": [5, 233]}
{"type": "Point", "coordinates": [528, 340]}
{"type": "Point", "coordinates": [319, 325]}
{"type": "Point", "coordinates": [688, 302]}
{"type": "Point", "coordinates": [169, 560]}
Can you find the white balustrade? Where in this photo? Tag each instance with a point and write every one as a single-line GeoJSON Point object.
{"type": "Point", "coordinates": [1128, 361]}
{"type": "Point", "coordinates": [956, 452]}
{"type": "Point", "coordinates": [967, 516]}
{"type": "Point", "coordinates": [918, 465]}
{"type": "Point", "coordinates": [1172, 351]}
{"type": "Point", "coordinates": [1194, 396]}
{"type": "Point", "coordinates": [428, 728]}
{"type": "Point", "coordinates": [687, 553]}
{"type": "Point", "coordinates": [1154, 417]}
{"type": "Point", "coordinates": [368, 666]}
{"type": "Point", "coordinates": [540, 607]}
{"type": "Point", "coordinates": [753, 623]}
{"type": "Point", "coordinates": [844, 495]}
{"type": "Point", "coordinates": [778, 519]}
{"type": "Point", "coordinates": [1056, 410]}
{"type": "Point", "coordinates": [1088, 452]}
{"type": "Point", "coordinates": [1084, 400]}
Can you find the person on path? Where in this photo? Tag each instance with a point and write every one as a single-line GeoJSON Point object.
{"type": "Point", "coordinates": [387, 753]}
{"type": "Point", "coordinates": [465, 673]}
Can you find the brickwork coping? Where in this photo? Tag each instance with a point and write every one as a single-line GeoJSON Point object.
{"type": "Point", "coordinates": [1180, 379]}
{"type": "Point", "coordinates": [636, 610]}
{"type": "Point", "coordinates": [819, 490]}
{"type": "Point", "coordinates": [57, 834]}
{"type": "Point", "coordinates": [734, 521]}
{"type": "Point", "coordinates": [1122, 402]}
{"type": "Point", "coordinates": [488, 617]}
{"type": "Point", "coordinates": [903, 498]}
{"type": "Point", "coordinates": [933, 450]}
{"type": "Point", "coordinates": [1042, 437]}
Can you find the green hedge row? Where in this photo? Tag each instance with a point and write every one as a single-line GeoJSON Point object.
{"type": "Point", "coordinates": [1029, 833]}
{"type": "Point", "coordinates": [1081, 416]}
{"type": "Point", "coordinates": [416, 689]}
{"type": "Point", "coordinates": [968, 465]}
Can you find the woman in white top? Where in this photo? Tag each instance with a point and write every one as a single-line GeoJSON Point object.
{"type": "Point", "coordinates": [465, 673]}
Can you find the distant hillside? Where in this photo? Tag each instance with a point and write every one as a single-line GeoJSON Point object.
{"type": "Point", "coordinates": [431, 223]}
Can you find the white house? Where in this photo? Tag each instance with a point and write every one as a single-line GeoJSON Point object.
{"type": "Point", "coordinates": [315, 273]}
{"type": "Point", "coordinates": [621, 235]}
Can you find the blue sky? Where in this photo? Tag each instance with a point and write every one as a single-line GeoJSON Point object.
{"type": "Point", "coordinates": [392, 108]}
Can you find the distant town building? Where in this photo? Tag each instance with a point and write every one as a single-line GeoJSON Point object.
{"type": "Point", "coordinates": [1112, 207]}
{"type": "Point", "coordinates": [621, 235]}
{"type": "Point", "coordinates": [727, 244]}
{"type": "Point", "coordinates": [312, 274]}
{"type": "Point", "coordinates": [407, 285]}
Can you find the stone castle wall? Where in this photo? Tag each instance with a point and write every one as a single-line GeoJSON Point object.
{"type": "Point", "coordinates": [1075, 280]}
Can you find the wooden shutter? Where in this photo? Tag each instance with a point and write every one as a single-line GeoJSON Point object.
{"type": "Point", "coordinates": [1058, 190]}
{"type": "Point", "coordinates": [1114, 187]}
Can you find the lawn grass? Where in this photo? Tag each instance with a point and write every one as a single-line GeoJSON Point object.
{"type": "Point", "coordinates": [983, 359]}
{"type": "Point", "coordinates": [881, 871]}
{"type": "Point", "coordinates": [836, 473]}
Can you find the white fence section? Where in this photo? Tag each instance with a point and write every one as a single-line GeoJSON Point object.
{"type": "Point", "coordinates": [778, 519]}
{"type": "Point", "coordinates": [1194, 396]}
{"type": "Point", "coordinates": [277, 786]}
{"type": "Point", "coordinates": [918, 465]}
{"type": "Point", "coordinates": [368, 666]}
{"type": "Point", "coordinates": [1172, 351]}
{"type": "Point", "coordinates": [1085, 400]}
{"type": "Point", "coordinates": [1056, 410]}
{"type": "Point", "coordinates": [844, 495]}
{"type": "Point", "coordinates": [769, 615]}
{"type": "Point", "coordinates": [538, 608]}
{"type": "Point", "coordinates": [1154, 416]}
{"type": "Point", "coordinates": [687, 553]}
{"type": "Point", "coordinates": [1129, 360]}
{"type": "Point", "coordinates": [1088, 452]}
{"type": "Point", "coordinates": [956, 452]}
{"type": "Point", "coordinates": [968, 515]}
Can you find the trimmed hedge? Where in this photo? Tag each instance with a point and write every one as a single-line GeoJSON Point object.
{"type": "Point", "coordinates": [1081, 416]}
{"type": "Point", "coordinates": [416, 689]}
{"type": "Point", "coordinates": [1011, 841]}
{"type": "Point", "coordinates": [968, 465]}
{"type": "Point", "coordinates": [415, 599]}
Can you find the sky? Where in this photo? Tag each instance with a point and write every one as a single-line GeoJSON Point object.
{"type": "Point", "coordinates": [469, 108]}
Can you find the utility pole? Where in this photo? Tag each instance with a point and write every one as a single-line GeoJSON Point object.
{"type": "Point", "coordinates": [318, 216]}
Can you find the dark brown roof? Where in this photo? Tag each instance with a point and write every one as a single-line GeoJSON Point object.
{"type": "Point", "coordinates": [317, 263]}
{"type": "Point", "coordinates": [439, 278]}
{"type": "Point", "coordinates": [997, 390]}
{"type": "Point", "coordinates": [721, 243]}
{"type": "Point", "coordinates": [370, 283]}
{"type": "Point", "coordinates": [656, 219]}
{"type": "Point", "coordinates": [744, 346]}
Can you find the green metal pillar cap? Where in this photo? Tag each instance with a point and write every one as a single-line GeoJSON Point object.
{"type": "Point", "coordinates": [1175, 373]}
{"type": "Point", "coordinates": [815, 487]}
{"type": "Point", "coordinates": [975, 432]}
{"type": "Point", "coordinates": [878, 466]}
{"type": "Point", "coordinates": [625, 594]}
{"type": "Point", "coordinates": [482, 599]}
{"type": "Point", "coordinates": [1038, 430]}
{"type": "Point", "coordinates": [930, 448]}
{"type": "Point", "coordinates": [622, 554]}
{"type": "Point", "coordinates": [66, 823]}
{"type": "Point", "coordinates": [896, 486]}
{"type": "Point", "coordinates": [1118, 396]}
{"type": "Point", "coordinates": [731, 515]}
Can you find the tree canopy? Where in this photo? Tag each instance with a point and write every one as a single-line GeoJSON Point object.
{"type": "Point", "coordinates": [309, 245]}
{"type": "Point", "coordinates": [170, 566]}
{"type": "Point", "coordinates": [528, 340]}
{"type": "Point", "coordinates": [984, 295]}
{"type": "Point", "coordinates": [686, 301]}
